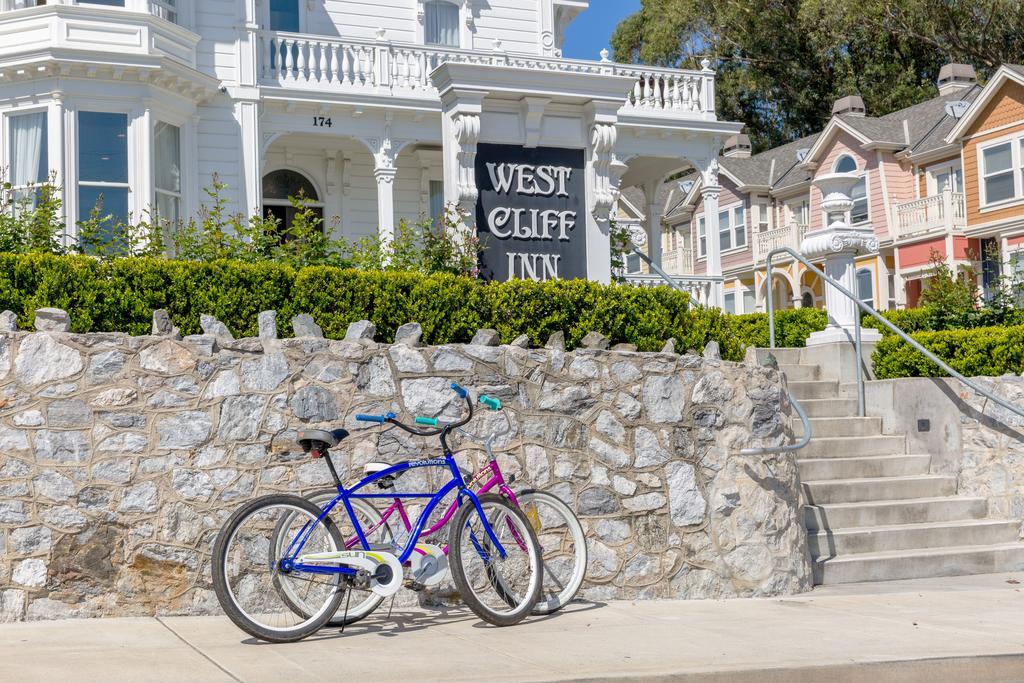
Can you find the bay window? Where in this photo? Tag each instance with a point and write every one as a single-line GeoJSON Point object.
{"type": "Point", "coordinates": [997, 173]}
{"type": "Point", "coordinates": [441, 23]}
{"type": "Point", "coordinates": [167, 175]}
{"type": "Point", "coordinates": [103, 166]}
{"type": "Point", "coordinates": [29, 157]}
{"type": "Point", "coordinates": [732, 228]}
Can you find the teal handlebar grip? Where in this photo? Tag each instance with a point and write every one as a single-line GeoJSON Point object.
{"type": "Point", "coordinates": [429, 421]}
{"type": "Point", "coordinates": [491, 402]}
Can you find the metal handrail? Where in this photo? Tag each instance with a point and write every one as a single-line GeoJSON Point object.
{"type": "Point", "coordinates": [980, 390]}
{"type": "Point", "coordinates": [804, 440]}
{"type": "Point", "coordinates": [665, 276]}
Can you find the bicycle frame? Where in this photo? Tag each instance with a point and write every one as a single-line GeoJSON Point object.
{"type": "Point", "coordinates": [346, 495]}
{"type": "Point", "coordinates": [497, 480]}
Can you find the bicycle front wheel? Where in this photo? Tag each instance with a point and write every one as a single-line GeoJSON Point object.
{"type": "Point", "coordinates": [500, 590]}
{"type": "Point", "coordinates": [254, 588]}
{"type": "Point", "coordinates": [563, 548]}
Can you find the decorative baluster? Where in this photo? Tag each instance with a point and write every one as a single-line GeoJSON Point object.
{"type": "Point", "coordinates": [334, 63]}
{"type": "Point", "coordinates": [323, 75]}
{"type": "Point", "coordinates": [346, 79]}
{"type": "Point", "coordinates": [677, 95]}
{"type": "Point", "coordinates": [288, 48]}
{"type": "Point", "coordinates": [403, 69]}
{"type": "Point", "coordinates": [638, 92]}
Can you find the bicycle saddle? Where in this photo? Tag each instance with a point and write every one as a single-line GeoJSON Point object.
{"type": "Point", "coordinates": [309, 438]}
{"type": "Point", "coordinates": [372, 468]}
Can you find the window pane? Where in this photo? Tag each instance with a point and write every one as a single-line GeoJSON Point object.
{"type": "Point", "coordinates": [998, 188]}
{"type": "Point", "coordinates": [441, 24]}
{"type": "Point", "coordinates": [168, 207]}
{"type": "Point", "coordinates": [846, 164]}
{"type": "Point", "coordinates": [284, 15]}
{"type": "Point", "coordinates": [702, 246]}
{"type": "Point", "coordinates": [700, 226]}
{"type": "Point", "coordinates": [29, 159]}
{"type": "Point", "coordinates": [112, 201]}
{"type": "Point", "coordinates": [436, 199]}
{"type": "Point", "coordinates": [998, 158]}
{"type": "Point", "coordinates": [102, 147]}
{"type": "Point", "coordinates": [281, 185]}
{"type": "Point", "coordinates": [167, 154]}
{"type": "Point", "coordinates": [749, 302]}
{"type": "Point", "coordinates": [865, 287]}
{"type": "Point", "coordinates": [730, 303]}
{"type": "Point", "coordinates": [859, 213]}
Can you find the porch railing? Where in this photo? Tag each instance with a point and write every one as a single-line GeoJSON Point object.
{"type": "Point", "coordinates": [678, 262]}
{"type": "Point", "coordinates": [944, 212]}
{"type": "Point", "coordinates": [787, 236]}
{"type": "Point", "coordinates": [383, 67]}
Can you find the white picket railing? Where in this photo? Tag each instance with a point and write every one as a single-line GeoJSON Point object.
{"type": "Point", "coordinates": [697, 286]}
{"type": "Point", "coordinates": [787, 236]}
{"type": "Point", "coordinates": [321, 63]}
{"type": "Point", "coordinates": [944, 212]}
{"type": "Point", "coordinates": [678, 262]}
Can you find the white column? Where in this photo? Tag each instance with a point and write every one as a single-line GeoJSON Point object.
{"type": "Point", "coordinates": [604, 173]}
{"type": "Point", "coordinates": [386, 203]}
{"type": "Point", "coordinates": [714, 247]}
{"type": "Point", "coordinates": [247, 116]}
{"type": "Point", "coordinates": [840, 245]}
{"type": "Point", "coordinates": [654, 245]}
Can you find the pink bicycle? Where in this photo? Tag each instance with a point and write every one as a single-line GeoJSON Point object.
{"type": "Point", "coordinates": [560, 533]}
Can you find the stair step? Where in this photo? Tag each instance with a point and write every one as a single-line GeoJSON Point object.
{"type": "Point", "coordinates": [841, 426]}
{"type": "Point", "coordinates": [852, 446]}
{"type": "Point", "coordinates": [829, 407]}
{"type": "Point", "coordinates": [887, 512]}
{"type": "Point", "coordinates": [879, 488]}
{"type": "Point", "coordinates": [815, 389]}
{"type": "Point", "coordinates": [820, 469]}
{"type": "Point", "coordinates": [831, 543]}
{"type": "Point", "coordinates": [920, 563]}
{"type": "Point", "coordinates": [801, 373]}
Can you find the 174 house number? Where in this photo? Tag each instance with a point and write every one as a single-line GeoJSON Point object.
{"type": "Point", "coordinates": [322, 122]}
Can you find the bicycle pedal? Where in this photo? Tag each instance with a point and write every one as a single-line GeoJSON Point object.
{"type": "Point", "coordinates": [428, 564]}
{"type": "Point", "coordinates": [413, 585]}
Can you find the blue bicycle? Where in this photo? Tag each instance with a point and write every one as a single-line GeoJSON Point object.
{"type": "Point", "coordinates": [281, 568]}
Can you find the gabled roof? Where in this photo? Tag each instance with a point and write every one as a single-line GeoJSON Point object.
{"type": "Point", "coordinates": [1007, 72]}
{"type": "Point", "coordinates": [913, 128]}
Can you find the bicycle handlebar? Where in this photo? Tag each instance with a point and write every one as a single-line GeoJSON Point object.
{"type": "Point", "coordinates": [379, 419]}
{"type": "Point", "coordinates": [491, 402]}
{"type": "Point", "coordinates": [439, 428]}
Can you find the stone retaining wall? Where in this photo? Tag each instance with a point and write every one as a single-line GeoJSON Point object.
{"type": "Point", "coordinates": [121, 456]}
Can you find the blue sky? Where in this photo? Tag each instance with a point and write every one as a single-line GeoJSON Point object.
{"type": "Point", "coordinates": [592, 30]}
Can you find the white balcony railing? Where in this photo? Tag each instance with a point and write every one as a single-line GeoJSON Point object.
{"type": "Point", "coordinates": [382, 67]}
{"type": "Point", "coordinates": [697, 286]}
{"type": "Point", "coordinates": [678, 262]}
{"type": "Point", "coordinates": [787, 236]}
{"type": "Point", "coordinates": [938, 213]}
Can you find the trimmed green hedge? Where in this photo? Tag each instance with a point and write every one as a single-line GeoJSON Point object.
{"type": "Point", "coordinates": [120, 295]}
{"type": "Point", "coordinates": [792, 326]}
{"type": "Point", "coordinates": [985, 351]}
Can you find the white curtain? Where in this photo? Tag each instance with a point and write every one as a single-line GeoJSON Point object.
{"type": "Point", "coordinates": [167, 141]}
{"type": "Point", "coordinates": [441, 23]}
{"type": "Point", "coordinates": [27, 133]}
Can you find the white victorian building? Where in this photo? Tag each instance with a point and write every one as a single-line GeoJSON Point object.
{"type": "Point", "coordinates": [376, 109]}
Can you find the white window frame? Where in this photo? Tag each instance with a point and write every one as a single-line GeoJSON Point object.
{"type": "Point", "coordinates": [157, 191]}
{"type": "Point", "coordinates": [725, 302]}
{"type": "Point", "coordinates": [1015, 142]}
{"type": "Point", "coordinates": [932, 172]}
{"type": "Point", "coordinates": [731, 210]}
{"type": "Point", "coordinates": [702, 237]}
{"type": "Point", "coordinates": [871, 273]}
{"type": "Point", "coordinates": [763, 217]}
{"type": "Point", "coordinates": [132, 159]}
{"type": "Point", "coordinates": [466, 25]}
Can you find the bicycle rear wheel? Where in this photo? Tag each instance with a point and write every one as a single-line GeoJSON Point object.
{"type": "Point", "coordinates": [563, 548]}
{"type": "Point", "coordinates": [248, 578]}
{"type": "Point", "coordinates": [477, 566]}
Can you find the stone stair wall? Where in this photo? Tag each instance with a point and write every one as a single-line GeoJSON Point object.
{"type": "Point", "coordinates": [121, 456]}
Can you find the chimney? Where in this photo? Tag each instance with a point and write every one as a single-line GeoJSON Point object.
{"type": "Point", "coordinates": [954, 77]}
{"type": "Point", "coordinates": [851, 105]}
{"type": "Point", "coordinates": [737, 146]}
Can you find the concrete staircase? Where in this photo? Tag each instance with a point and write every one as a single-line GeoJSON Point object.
{"type": "Point", "coordinates": [875, 512]}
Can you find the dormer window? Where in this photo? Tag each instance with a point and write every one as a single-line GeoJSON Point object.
{"type": "Point", "coordinates": [441, 23]}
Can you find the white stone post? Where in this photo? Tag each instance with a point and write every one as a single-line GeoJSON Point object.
{"type": "Point", "coordinates": [839, 244]}
{"type": "Point", "coordinates": [654, 246]}
{"type": "Point", "coordinates": [385, 203]}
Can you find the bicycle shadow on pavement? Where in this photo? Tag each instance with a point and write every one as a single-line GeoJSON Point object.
{"type": "Point", "coordinates": [403, 621]}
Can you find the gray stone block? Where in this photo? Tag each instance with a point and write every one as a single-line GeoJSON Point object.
{"type": "Point", "coordinates": [52, 320]}
{"type": "Point", "coordinates": [304, 326]}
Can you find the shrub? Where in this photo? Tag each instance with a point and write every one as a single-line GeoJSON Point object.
{"type": "Point", "coordinates": [987, 351]}
{"type": "Point", "coordinates": [120, 295]}
{"type": "Point", "coordinates": [792, 326]}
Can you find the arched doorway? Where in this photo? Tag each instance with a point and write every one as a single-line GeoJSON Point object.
{"type": "Point", "coordinates": [278, 189]}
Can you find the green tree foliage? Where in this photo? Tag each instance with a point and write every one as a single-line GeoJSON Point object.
{"type": "Point", "coordinates": [782, 63]}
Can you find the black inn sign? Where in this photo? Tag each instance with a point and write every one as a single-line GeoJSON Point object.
{"type": "Point", "coordinates": [529, 215]}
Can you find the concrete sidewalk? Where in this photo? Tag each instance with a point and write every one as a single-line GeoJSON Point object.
{"type": "Point", "coordinates": [961, 629]}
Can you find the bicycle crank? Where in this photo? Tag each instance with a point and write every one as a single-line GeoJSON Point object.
{"type": "Point", "coordinates": [384, 569]}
